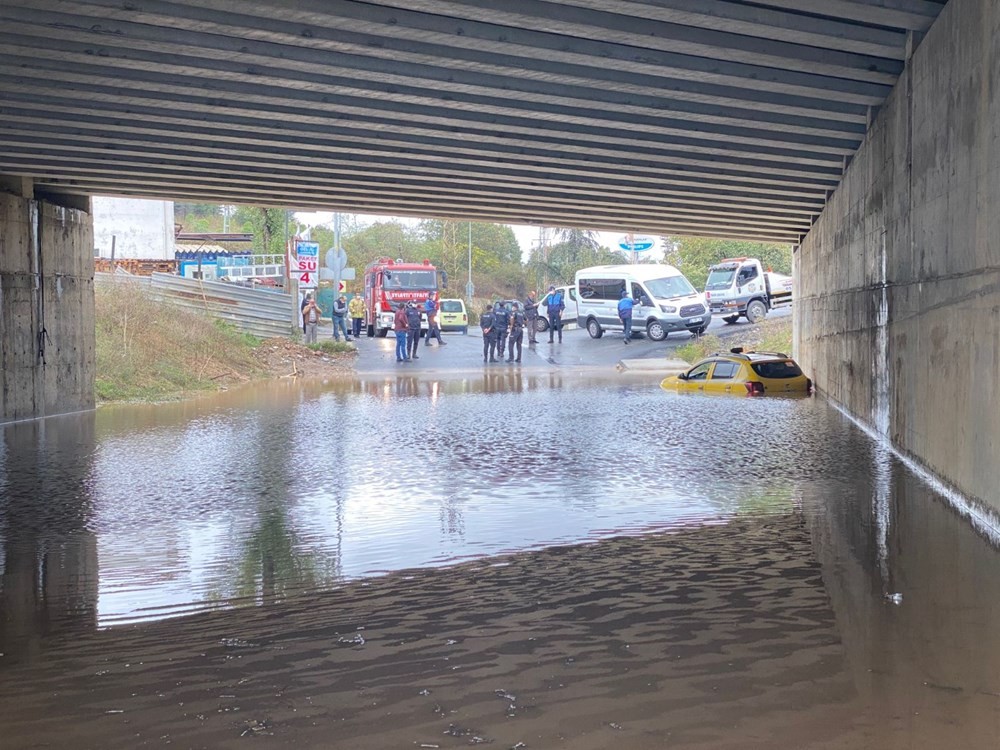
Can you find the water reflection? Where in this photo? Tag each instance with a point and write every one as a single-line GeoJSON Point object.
{"type": "Point", "coordinates": [630, 565]}
{"type": "Point", "coordinates": [49, 576]}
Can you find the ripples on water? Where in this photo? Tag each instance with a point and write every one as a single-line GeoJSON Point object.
{"type": "Point", "coordinates": [183, 502]}
{"type": "Point", "coordinates": [272, 493]}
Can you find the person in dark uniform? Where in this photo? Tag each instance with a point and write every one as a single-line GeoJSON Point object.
{"type": "Point", "coordinates": [554, 305]}
{"type": "Point", "coordinates": [413, 328]}
{"type": "Point", "coordinates": [500, 320]}
{"type": "Point", "coordinates": [486, 322]}
{"type": "Point", "coordinates": [517, 323]}
{"type": "Point", "coordinates": [531, 316]}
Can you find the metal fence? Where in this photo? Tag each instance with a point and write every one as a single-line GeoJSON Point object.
{"type": "Point", "coordinates": [263, 313]}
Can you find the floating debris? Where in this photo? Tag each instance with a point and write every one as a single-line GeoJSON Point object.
{"type": "Point", "coordinates": [500, 692]}
{"type": "Point", "coordinates": [477, 740]}
{"type": "Point", "coordinates": [613, 725]}
{"type": "Point", "coordinates": [355, 640]}
{"type": "Point", "coordinates": [428, 745]}
{"type": "Point", "coordinates": [456, 731]}
{"type": "Point", "coordinates": [256, 728]}
{"type": "Point", "coordinates": [425, 691]}
{"type": "Point", "coordinates": [237, 643]}
{"type": "Point", "coordinates": [896, 598]}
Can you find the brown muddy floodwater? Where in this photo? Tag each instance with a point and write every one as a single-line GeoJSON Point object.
{"type": "Point", "coordinates": [520, 561]}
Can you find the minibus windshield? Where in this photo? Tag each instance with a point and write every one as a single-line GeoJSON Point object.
{"type": "Point", "coordinates": [669, 287]}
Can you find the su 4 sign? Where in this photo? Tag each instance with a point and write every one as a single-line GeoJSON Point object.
{"type": "Point", "coordinates": [305, 264]}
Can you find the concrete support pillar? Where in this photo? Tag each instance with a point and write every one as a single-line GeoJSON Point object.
{"type": "Point", "coordinates": [47, 348]}
{"type": "Point", "coordinates": [898, 282]}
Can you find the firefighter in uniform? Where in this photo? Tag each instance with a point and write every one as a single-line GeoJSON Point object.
{"type": "Point", "coordinates": [486, 322]}
{"type": "Point", "coordinates": [517, 323]}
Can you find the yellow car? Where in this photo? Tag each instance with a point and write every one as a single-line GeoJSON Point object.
{"type": "Point", "coordinates": [747, 373]}
{"type": "Point", "coordinates": [453, 316]}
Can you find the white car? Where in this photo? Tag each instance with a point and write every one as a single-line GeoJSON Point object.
{"type": "Point", "coordinates": [569, 314]}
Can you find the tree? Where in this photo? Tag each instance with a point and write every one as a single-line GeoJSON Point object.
{"type": "Point", "coordinates": [693, 256]}
{"type": "Point", "coordinates": [576, 243]}
{"type": "Point", "coordinates": [268, 226]}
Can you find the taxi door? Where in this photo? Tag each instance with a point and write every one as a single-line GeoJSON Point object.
{"type": "Point", "coordinates": [721, 379]}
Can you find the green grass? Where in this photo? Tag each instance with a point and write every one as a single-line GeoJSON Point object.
{"type": "Point", "coordinates": [152, 351]}
{"type": "Point", "coordinates": [770, 336]}
{"type": "Point", "coordinates": [332, 347]}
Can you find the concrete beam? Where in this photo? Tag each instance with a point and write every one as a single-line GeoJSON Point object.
{"type": "Point", "coordinates": [17, 184]}
{"type": "Point", "coordinates": [463, 153]}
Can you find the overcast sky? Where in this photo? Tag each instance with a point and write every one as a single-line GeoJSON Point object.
{"type": "Point", "coordinates": [527, 236]}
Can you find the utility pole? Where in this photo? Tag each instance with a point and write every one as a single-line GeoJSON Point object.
{"type": "Point", "coordinates": [469, 288]}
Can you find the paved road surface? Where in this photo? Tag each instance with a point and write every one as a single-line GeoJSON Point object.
{"type": "Point", "coordinates": [578, 350]}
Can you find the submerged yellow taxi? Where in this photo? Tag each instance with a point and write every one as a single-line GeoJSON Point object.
{"type": "Point", "coordinates": [743, 372]}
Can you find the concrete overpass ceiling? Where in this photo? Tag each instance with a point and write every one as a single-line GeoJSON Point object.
{"type": "Point", "coordinates": [712, 117]}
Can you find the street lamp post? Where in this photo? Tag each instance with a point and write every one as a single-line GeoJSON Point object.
{"type": "Point", "coordinates": [469, 288]}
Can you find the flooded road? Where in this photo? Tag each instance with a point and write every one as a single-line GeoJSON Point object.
{"type": "Point", "coordinates": [520, 559]}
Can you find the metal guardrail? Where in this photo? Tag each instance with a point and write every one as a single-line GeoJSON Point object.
{"type": "Point", "coordinates": [262, 313]}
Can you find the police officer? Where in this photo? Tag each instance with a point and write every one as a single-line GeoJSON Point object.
{"type": "Point", "coordinates": [554, 304]}
{"type": "Point", "coordinates": [486, 322]}
{"type": "Point", "coordinates": [517, 323]}
{"type": "Point", "coordinates": [500, 320]}
{"type": "Point", "coordinates": [531, 316]}
{"type": "Point", "coordinates": [413, 328]}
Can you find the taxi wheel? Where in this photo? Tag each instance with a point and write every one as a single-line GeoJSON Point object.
{"type": "Point", "coordinates": [756, 311]}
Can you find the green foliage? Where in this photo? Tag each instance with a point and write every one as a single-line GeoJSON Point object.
{"type": "Point", "coordinates": [269, 227]}
{"type": "Point", "coordinates": [332, 347]}
{"type": "Point", "coordinates": [559, 263]}
{"type": "Point", "coordinates": [693, 256]}
{"type": "Point", "coordinates": [773, 335]}
{"type": "Point", "coordinates": [152, 350]}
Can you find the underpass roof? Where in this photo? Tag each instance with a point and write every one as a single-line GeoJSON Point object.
{"type": "Point", "coordinates": [706, 117]}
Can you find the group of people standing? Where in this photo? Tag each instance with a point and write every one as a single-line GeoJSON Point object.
{"type": "Point", "coordinates": [406, 326]}
{"type": "Point", "coordinates": [503, 324]}
{"type": "Point", "coordinates": [338, 316]}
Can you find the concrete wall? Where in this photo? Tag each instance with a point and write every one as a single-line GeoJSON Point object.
{"type": "Point", "coordinates": [46, 282]}
{"type": "Point", "coordinates": [898, 317]}
{"type": "Point", "coordinates": [141, 228]}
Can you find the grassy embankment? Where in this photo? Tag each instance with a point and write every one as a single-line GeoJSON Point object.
{"type": "Point", "coordinates": [153, 351]}
{"type": "Point", "coordinates": [773, 335]}
{"type": "Point", "coordinates": [149, 350]}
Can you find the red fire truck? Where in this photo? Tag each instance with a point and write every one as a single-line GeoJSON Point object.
{"type": "Point", "coordinates": [389, 282]}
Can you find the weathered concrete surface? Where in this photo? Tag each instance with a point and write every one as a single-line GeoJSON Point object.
{"type": "Point", "coordinates": [46, 309]}
{"type": "Point", "coordinates": [898, 317]}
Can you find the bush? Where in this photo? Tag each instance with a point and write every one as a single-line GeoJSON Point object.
{"type": "Point", "coordinates": [770, 336]}
{"type": "Point", "coordinates": [332, 347]}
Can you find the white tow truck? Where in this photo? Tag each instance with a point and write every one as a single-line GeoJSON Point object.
{"type": "Point", "coordinates": [741, 286]}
